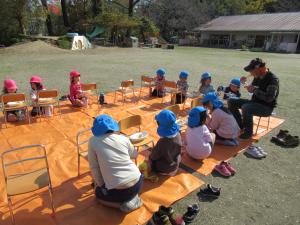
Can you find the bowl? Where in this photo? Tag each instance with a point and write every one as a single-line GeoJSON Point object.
{"type": "Point", "coordinates": [138, 136]}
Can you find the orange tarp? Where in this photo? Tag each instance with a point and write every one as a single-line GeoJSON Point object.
{"type": "Point", "coordinates": [73, 196]}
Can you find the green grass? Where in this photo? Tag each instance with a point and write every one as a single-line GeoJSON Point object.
{"type": "Point", "coordinates": [262, 192]}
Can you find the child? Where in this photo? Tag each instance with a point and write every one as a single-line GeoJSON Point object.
{"type": "Point", "coordinates": [117, 180]}
{"type": "Point", "coordinates": [36, 85]}
{"type": "Point", "coordinates": [233, 90]}
{"type": "Point", "coordinates": [11, 87]}
{"type": "Point", "coordinates": [206, 86]}
{"type": "Point", "coordinates": [199, 139]}
{"type": "Point", "coordinates": [222, 122]}
{"type": "Point", "coordinates": [159, 90]}
{"type": "Point", "coordinates": [182, 87]}
{"type": "Point", "coordinates": [165, 156]}
{"type": "Point", "coordinates": [77, 97]}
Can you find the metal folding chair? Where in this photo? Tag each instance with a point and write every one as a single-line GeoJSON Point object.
{"type": "Point", "coordinates": [81, 151]}
{"type": "Point", "coordinates": [126, 87]}
{"type": "Point", "coordinates": [47, 98]}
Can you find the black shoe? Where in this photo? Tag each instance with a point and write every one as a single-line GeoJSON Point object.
{"type": "Point", "coordinates": [291, 141]}
{"type": "Point", "coordinates": [191, 213]}
{"type": "Point", "coordinates": [160, 219]}
{"type": "Point", "coordinates": [282, 134]}
{"type": "Point", "coordinates": [245, 136]}
{"type": "Point", "coordinates": [169, 211]}
{"type": "Point", "coordinates": [210, 191]}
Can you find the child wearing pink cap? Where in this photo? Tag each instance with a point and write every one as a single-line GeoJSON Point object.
{"type": "Point", "coordinates": [11, 87]}
{"type": "Point", "coordinates": [77, 97]}
{"type": "Point", "coordinates": [36, 85]}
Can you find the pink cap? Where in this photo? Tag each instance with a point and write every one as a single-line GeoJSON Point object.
{"type": "Point", "coordinates": [74, 73]}
{"type": "Point", "coordinates": [10, 84]}
{"type": "Point", "coordinates": [35, 79]}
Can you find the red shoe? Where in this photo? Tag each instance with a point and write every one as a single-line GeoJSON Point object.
{"type": "Point", "coordinates": [229, 167]}
{"type": "Point", "coordinates": [222, 169]}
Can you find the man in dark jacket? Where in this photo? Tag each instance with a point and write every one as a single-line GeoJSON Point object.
{"type": "Point", "coordinates": [264, 89]}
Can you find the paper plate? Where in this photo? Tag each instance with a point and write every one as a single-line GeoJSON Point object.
{"type": "Point", "coordinates": [138, 136]}
{"type": "Point", "coordinates": [45, 99]}
{"type": "Point", "coordinates": [14, 103]}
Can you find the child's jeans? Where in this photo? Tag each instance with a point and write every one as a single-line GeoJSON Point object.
{"type": "Point", "coordinates": [119, 195]}
{"type": "Point", "coordinates": [158, 93]}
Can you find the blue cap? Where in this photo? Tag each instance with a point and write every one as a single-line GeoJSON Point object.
{"type": "Point", "coordinates": [205, 75]}
{"type": "Point", "coordinates": [213, 98]}
{"type": "Point", "coordinates": [194, 116]}
{"type": "Point", "coordinates": [183, 74]}
{"type": "Point", "coordinates": [161, 72]}
{"type": "Point", "coordinates": [104, 123]}
{"type": "Point", "coordinates": [236, 82]}
{"type": "Point", "coordinates": [167, 123]}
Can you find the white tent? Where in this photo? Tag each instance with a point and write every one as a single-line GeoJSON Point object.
{"type": "Point", "coordinates": [80, 43]}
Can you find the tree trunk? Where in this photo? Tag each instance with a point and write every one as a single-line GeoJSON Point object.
{"type": "Point", "coordinates": [97, 7]}
{"type": "Point", "coordinates": [64, 9]}
{"type": "Point", "coordinates": [48, 19]}
{"type": "Point", "coordinates": [130, 8]}
{"type": "Point", "coordinates": [19, 18]}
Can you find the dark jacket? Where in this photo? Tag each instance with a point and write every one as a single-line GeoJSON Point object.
{"type": "Point", "coordinates": [228, 93]}
{"type": "Point", "coordinates": [267, 90]}
{"type": "Point", "coordinates": [164, 156]}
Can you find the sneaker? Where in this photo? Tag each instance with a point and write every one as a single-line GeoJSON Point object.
{"type": "Point", "coordinates": [229, 167]}
{"type": "Point", "coordinates": [160, 219]}
{"type": "Point", "coordinates": [245, 136]}
{"type": "Point", "coordinates": [210, 191]}
{"type": "Point", "coordinates": [221, 169]}
{"type": "Point", "coordinates": [191, 213]}
{"type": "Point", "coordinates": [291, 141]}
{"type": "Point", "coordinates": [131, 205]}
{"type": "Point", "coordinates": [169, 211]}
{"type": "Point", "coordinates": [254, 152]}
{"type": "Point", "coordinates": [262, 151]}
{"type": "Point", "coordinates": [282, 134]}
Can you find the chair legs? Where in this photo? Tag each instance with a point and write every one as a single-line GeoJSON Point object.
{"type": "Point", "coordinates": [51, 198]}
{"type": "Point", "coordinates": [78, 163]}
{"type": "Point", "coordinates": [269, 118]}
{"type": "Point", "coordinates": [10, 206]}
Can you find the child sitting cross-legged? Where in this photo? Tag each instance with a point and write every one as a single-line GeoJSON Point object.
{"type": "Point", "coordinates": [166, 154]}
{"type": "Point", "coordinates": [77, 97]}
{"type": "Point", "coordinates": [117, 180]}
{"type": "Point", "coordinates": [182, 87]}
{"type": "Point", "coordinates": [198, 138]}
{"type": "Point", "coordinates": [222, 122]}
{"type": "Point", "coordinates": [159, 90]}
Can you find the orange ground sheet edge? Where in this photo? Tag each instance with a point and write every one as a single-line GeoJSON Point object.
{"type": "Point", "coordinates": [73, 197]}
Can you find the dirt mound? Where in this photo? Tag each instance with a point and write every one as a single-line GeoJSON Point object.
{"type": "Point", "coordinates": [35, 47]}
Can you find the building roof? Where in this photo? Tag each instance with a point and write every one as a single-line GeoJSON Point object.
{"type": "Point", "coordinates": [276, 22]}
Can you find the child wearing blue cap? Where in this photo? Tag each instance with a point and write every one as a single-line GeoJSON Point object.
{"type": "Point", "coordinates": [206, 85]}
{"type": "Point", "coordinates": [222, 122]}
{"type": "Point", "coordinates": [117, 179]}
{"type": "Point", "coordinates": [159, 80]}
{"type": "Point", "coordinates": [233, 90]}
{"type": "Point", "coordinates": [166, 154]}
{"type": "Point", "coordinates": [198, 138]}
{"type": "Point", "coordinates": [182, 87]}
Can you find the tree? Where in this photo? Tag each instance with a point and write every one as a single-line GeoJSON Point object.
{"type": "Point", "coordinates": [127, 4]}
{"type": "Point", "coordinates": [48, 17]}
{"type": "Point", "coordinates": [64, 9]}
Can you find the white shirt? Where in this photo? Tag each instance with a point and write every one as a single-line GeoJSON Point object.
{"type": "Point", "coordinates": [110, 160]}
{"type": "Point", "coordinates": [198, 139]}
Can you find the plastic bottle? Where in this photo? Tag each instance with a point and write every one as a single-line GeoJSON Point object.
{"type": "Point", "coordinates": [101, 98]}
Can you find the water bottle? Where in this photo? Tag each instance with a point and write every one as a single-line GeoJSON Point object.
{"type": "Point", "coordinates": [101, 98]}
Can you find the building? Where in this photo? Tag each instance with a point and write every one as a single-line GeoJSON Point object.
{"type": "Point", "coordinates": [278, 32]}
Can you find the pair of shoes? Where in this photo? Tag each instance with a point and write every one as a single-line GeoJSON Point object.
{"type": "Point", "coordinates": [225, 169]}
{"type": "Point", "coordinates": [245, 136]}
{"type": "Point", "coordinates": [261, 150]}
{"type": "Point", "coordinates": [166, 216]}
{"type": "Point", "coordinates": [283, 138]}
{"type": "Point", "coordinates": [131, 205]}
{"type": "Point", "coordinates": [256, 152]}
{"type": "Point", "coordinates": [210, 191]}
{"type": "Point", "coordinates": [191, 213]}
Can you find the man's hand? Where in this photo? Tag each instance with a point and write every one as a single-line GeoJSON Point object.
{"type": "Point", "coordinates": [250, 88]}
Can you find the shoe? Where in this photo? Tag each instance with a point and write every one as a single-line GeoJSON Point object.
{"type": "Point", "coordinates": [228, 142]}
{"type": "Point", "coordinates": [229, 167]}
{"type": "Point", "coordinates": [291, 141]}
{"type": "Point", "coordinates": [210, 191]}
{"type": "Point", "coordinates": [282, 134]}
{"type": "Point", "coordinates": [191, 213]}
{"type": "Point", "coordinates": [262, 151]}
{"type": "Point", "coordinates": [254, 152]}
{"type": "Point", "coordinates": [131, 205]}
{"type": "Point", "coordinates": [245, 136]}
{"type": "Point", "coordinates": [160, 219]}
{"type": "Point", "coordinates": [169, 211]}
{"type": "Point", "coordinates": [221, 169]}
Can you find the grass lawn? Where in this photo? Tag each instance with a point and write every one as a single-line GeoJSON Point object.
{"type": "Point", "coordinates": [263, 191]}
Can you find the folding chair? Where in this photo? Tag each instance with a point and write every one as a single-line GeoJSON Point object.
{"type": "Point", "coordinates": [135, 121]}
{"type": "Point", "coordinates": [171, 88]}
{"type": "Point", "coordinates": [174, 108]}
{"type": "Point", "coordinates": [81, 152]}
{"type": "Point", "coordinates": [126, 87]}
{"type": "Point", "coordinates": [146, 82]}
{"type": "Point", "coordinates": [20, 104]}
{"type": "Point", "coordinates": [25, 180]}
{"type": "Point", "coordinates": [269, 118]}
{"type": "Point", "coordinates": [196, 102]}
{"type": "Point", "coordinates": [91, 89]}
{"type": "Point", "coordinates": [47, 98]}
